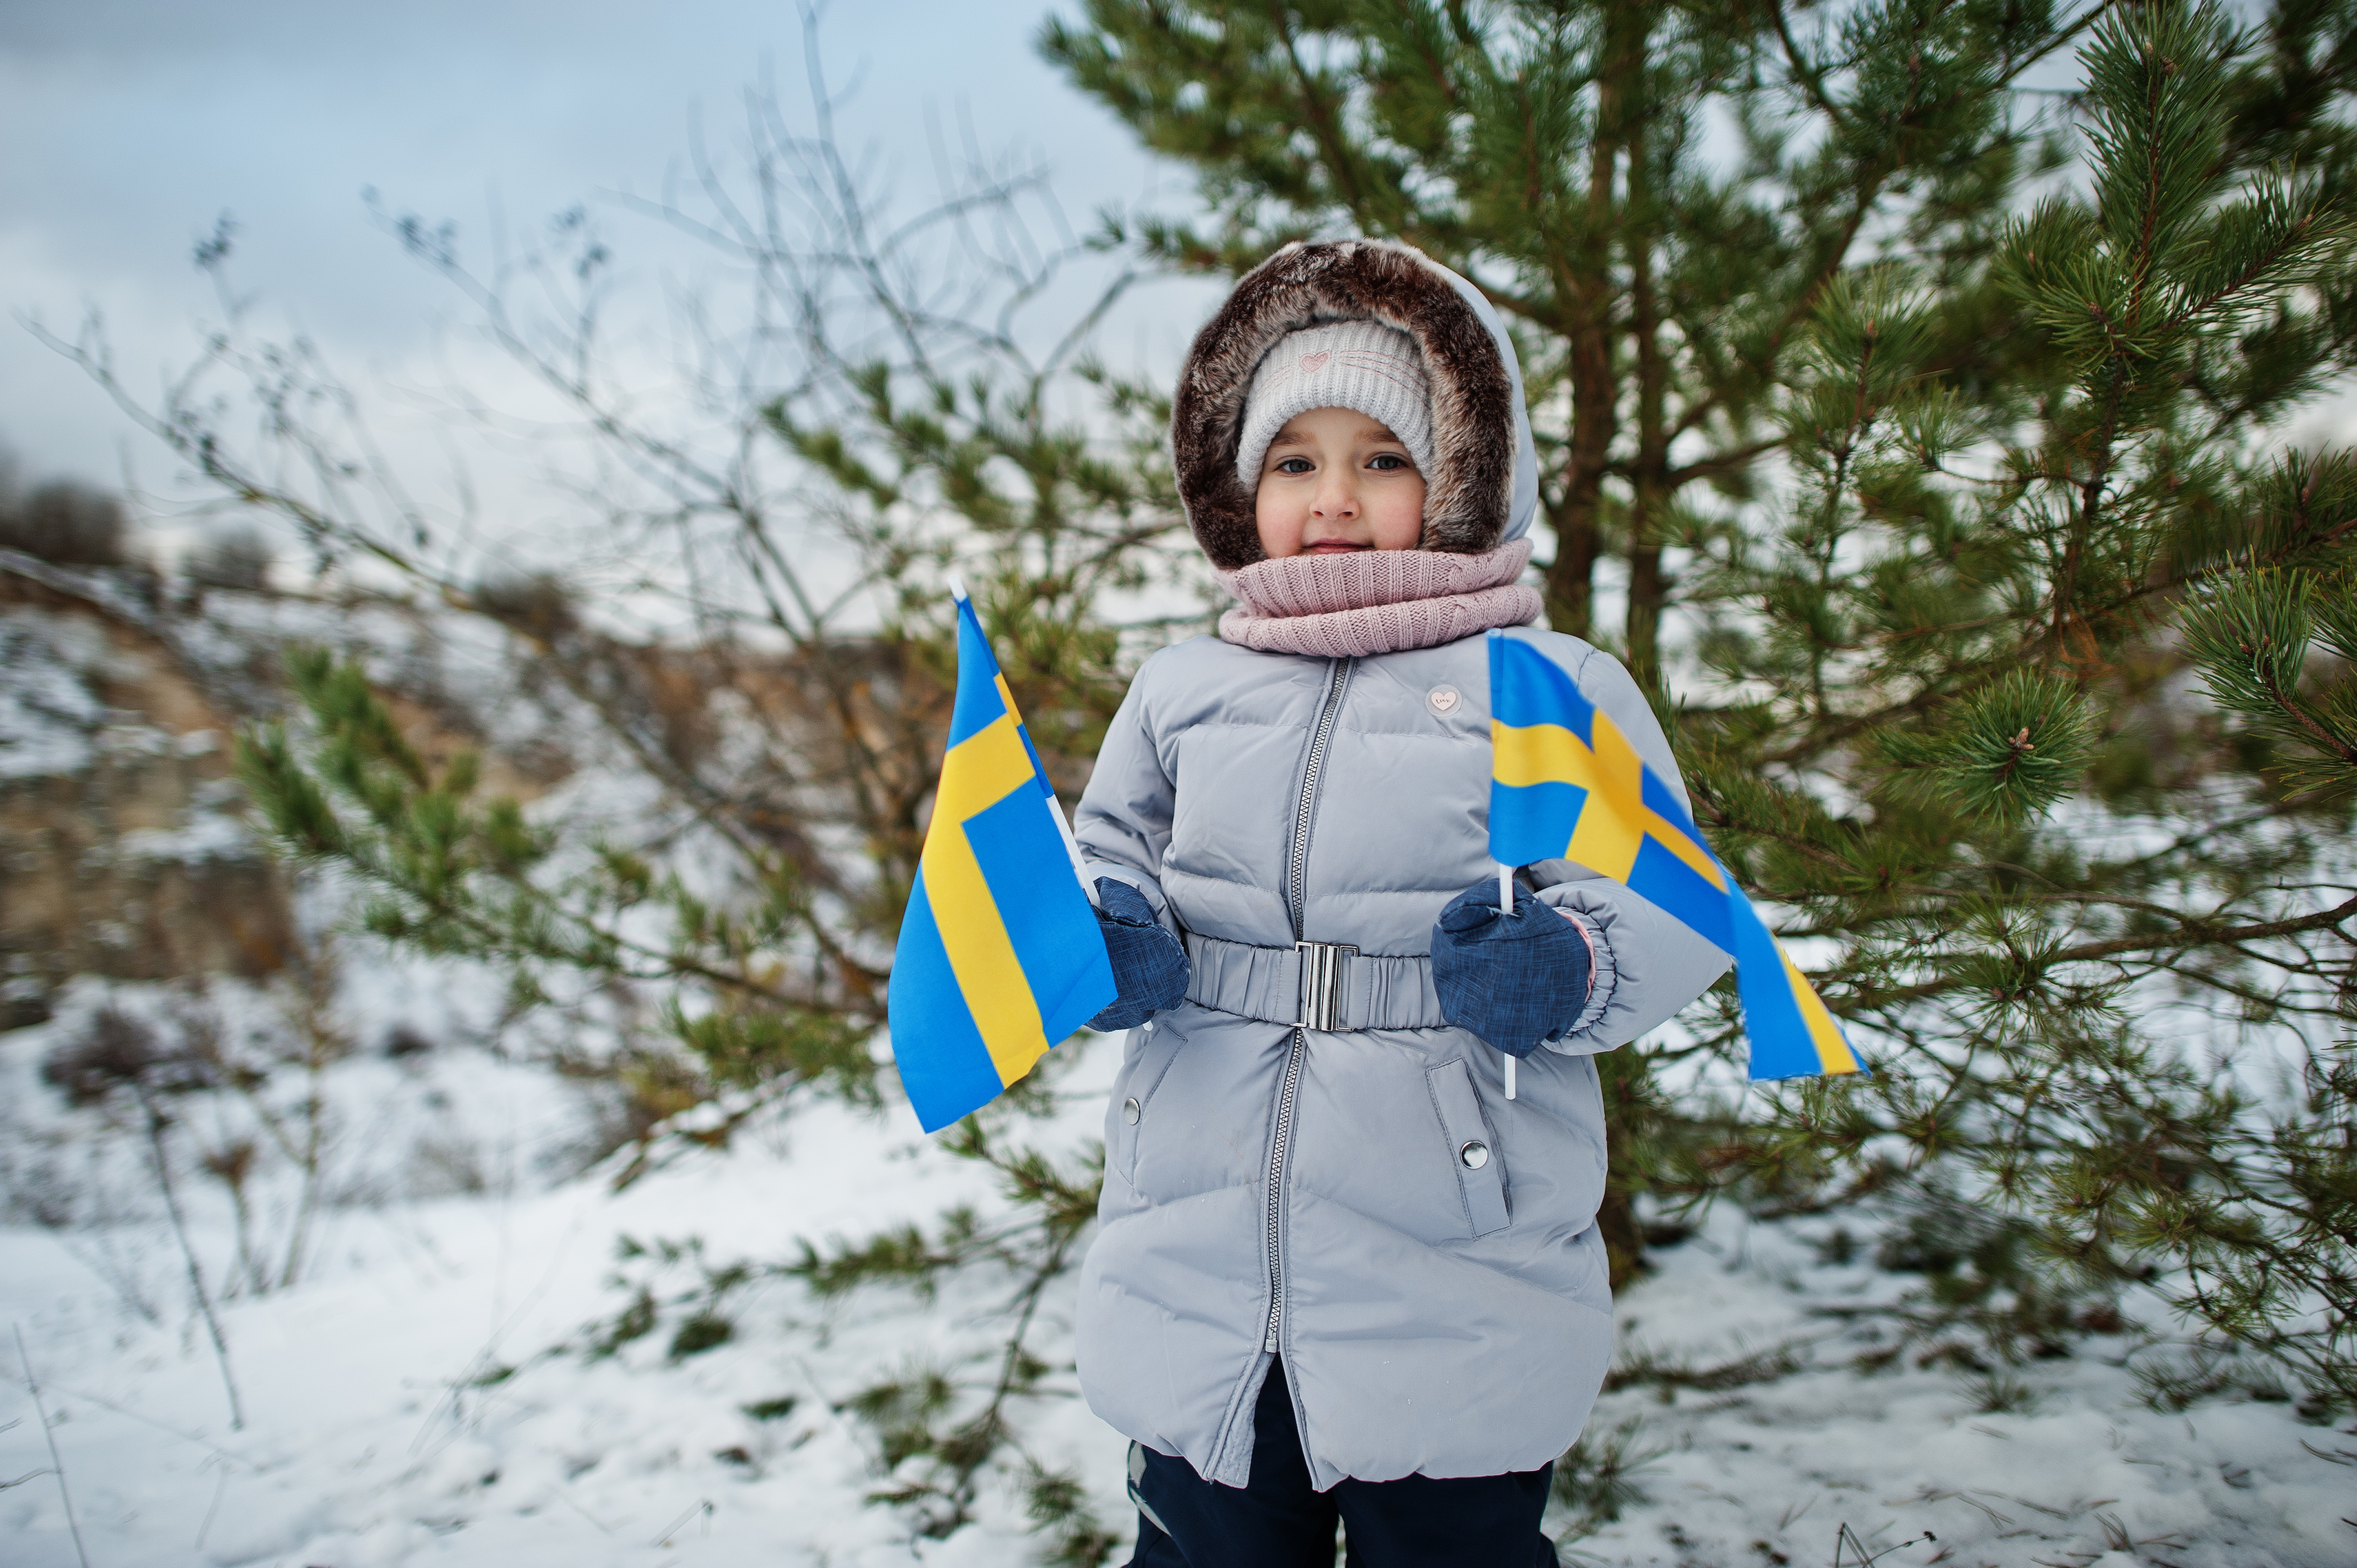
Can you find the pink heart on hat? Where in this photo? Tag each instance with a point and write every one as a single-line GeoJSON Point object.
{"type": "Point", "coordinates": [1313, 363]}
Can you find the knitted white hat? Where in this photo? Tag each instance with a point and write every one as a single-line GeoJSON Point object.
{"type": "Point", "coordinates": [1362, 365]}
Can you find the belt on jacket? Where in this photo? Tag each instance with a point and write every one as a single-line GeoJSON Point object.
{"type": "Point", "coordinates": [1327, 986]}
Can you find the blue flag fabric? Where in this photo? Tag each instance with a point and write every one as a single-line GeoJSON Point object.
{"type": "Point", "coordinates": [999, 956]}
{"type": "Point", "coordinates": [1566, 785]}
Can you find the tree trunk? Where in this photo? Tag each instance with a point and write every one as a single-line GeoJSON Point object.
{"type": "Point", "coordinates": [1584, 284]}
{"type": "Point", "coordinates": [1571, 580]}
{"type": "Point", "coordinates": [1647, 583]}
{"type": "Point", "coordinates": [1625, 1080]}
{"type": "Point", "coordinates": [1625, 1075]}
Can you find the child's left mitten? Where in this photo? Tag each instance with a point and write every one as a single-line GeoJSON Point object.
{"type": "Point", "coordinates": [1148, 964]}
{"type": "Point", "coordinates": [1513, 980]}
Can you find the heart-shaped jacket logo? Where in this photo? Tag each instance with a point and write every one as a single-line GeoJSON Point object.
{"type": "Point", "coordinates": [1442, 699]}
{"type": "Point", "coordinates": [1313, 363]}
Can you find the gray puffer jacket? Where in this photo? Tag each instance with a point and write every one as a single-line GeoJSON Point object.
{"type": "Point", "coordinates": [1359, 1198]}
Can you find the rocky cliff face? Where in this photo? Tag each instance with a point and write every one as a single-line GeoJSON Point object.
{"type": "Point", "coordinates": [123, 851]}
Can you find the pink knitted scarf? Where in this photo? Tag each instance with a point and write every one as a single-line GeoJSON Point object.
{"type": "Point", "coordinates": [1376, 601]}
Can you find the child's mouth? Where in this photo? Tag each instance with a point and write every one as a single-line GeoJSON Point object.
{"type": "Point", "coordinates": [1333, 547]}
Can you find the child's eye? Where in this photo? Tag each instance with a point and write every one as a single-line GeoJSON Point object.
{"type": "Point", "coordinates": [1387, 462]}
{"type": "Point", "coordinates": [1294, 464]}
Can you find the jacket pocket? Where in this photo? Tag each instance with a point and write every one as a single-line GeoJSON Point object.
{"type": "Point", "coordinates": [1473, 1150]}
{"type": "Point", "coordinates": [1133, 1092]}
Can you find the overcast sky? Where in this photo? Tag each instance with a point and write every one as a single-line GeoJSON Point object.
{"type": "Point", "coordinates": [131, 125]}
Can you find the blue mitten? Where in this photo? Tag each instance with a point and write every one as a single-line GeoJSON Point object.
{"type": "Point", "coordinates": [1513, 980]}
{"type": "Point", "coordinates": [1148, 964]}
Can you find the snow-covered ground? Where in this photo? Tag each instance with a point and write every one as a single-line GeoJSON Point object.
{"type": "Point", "coordinates": [429, 1394]}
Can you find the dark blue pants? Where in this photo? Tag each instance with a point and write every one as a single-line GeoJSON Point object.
{"type": "Point", "coordinates": [1277, 1522]}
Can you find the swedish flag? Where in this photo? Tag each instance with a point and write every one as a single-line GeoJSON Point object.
{"type": "Point", "coordinates": [999, 955]}
{"type": "Point", "coordinates": [1566, 785]}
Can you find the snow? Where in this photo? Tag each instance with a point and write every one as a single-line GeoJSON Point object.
{"type": "Point", "coordinates": [367, 1442]}
{"type": "Point", "coordinates": [48, 716]}
{"type": "Point", "coordinates": [2080, 1466]}
{"type": "Point", "coordinates": [428, 1394]}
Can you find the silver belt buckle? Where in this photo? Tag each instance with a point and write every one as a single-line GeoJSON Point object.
{"type": "Point", "coordinates": [1322, 972]}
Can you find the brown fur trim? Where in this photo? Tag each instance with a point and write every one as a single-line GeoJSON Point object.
{"type": "Point", "coordinates": [1467, 496]}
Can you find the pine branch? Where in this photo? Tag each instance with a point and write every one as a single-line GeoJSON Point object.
{"type": "Point", "coordinates": [2326, 741]}
{"type": "Point", "coordinates": [2190, 936]}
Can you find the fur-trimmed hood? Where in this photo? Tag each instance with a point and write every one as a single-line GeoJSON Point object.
{"type": "Point", "coordinates": [1484, 487]}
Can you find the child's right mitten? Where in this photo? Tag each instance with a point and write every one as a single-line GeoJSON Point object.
{"type": "Point", "coordinates": [1148, 964]}
{"type": "Point", "coordinates": [1513, 980]}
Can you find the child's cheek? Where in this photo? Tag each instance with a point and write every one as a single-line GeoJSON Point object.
{"type": "Point", "coordinates": [1397, 520]}
{"type": "Point", "coordinates": [1280, 522]}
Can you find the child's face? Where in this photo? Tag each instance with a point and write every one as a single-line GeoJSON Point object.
{"type": "Point", "coordinates": [1335, 481]}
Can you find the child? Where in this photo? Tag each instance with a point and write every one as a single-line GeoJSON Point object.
{"type": "Point", "coordinates": [1338, 1274]}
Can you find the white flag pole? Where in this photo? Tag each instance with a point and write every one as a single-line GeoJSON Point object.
{"type": "Point", "coordinates": [1072, 848]}
{"type": "Point", "coordinates": [1506, 908]}
{"type": "Point", "coordinates": [1055, 807]}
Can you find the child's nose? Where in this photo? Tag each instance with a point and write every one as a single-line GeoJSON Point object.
{"type": "Point", "coordinates": [1337, 497]}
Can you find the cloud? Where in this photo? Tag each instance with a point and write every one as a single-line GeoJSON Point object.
{"type": "Point", "coordinates": [133, 124]}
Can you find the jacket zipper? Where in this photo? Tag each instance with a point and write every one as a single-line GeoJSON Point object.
{"type": "Point", "coordinates": [1297, 886]}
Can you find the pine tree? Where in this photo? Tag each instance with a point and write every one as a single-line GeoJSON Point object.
{"type": "Point", "coordinates": [1937, 427]}
{"type": "Point", "coordinates": [1659, 285]}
